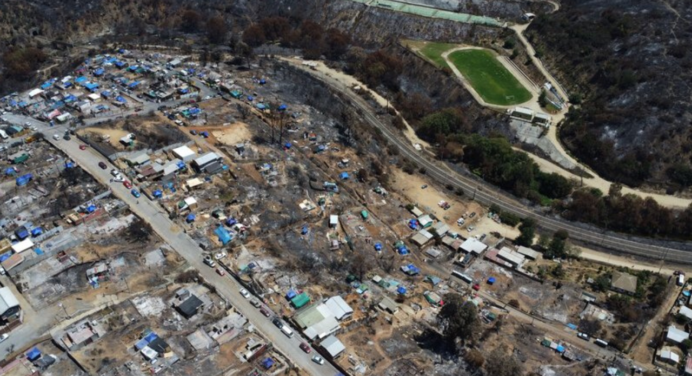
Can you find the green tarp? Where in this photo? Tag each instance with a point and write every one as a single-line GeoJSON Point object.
{"type": "Point", "coordinates": [21, 159]}
{"type": "Point", "coordinates": [300, 300]}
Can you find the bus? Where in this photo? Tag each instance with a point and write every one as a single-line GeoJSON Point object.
{"type": "Point", "coordinates": [462, 276]}
{"type": "Point", "coordinates": [601, 343]}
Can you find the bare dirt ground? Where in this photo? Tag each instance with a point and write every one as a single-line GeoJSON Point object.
{"type": "Point", "coordinates": [234, 134]}
{"type": "Point", "coordinates": [115, 135]}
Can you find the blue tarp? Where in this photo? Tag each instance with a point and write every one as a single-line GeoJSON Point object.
{"type": "Point", "coordinates": [183, 91]}
{"type": "Point", "coordinates": [22, 180]}
{"type": "Point", "coordinates": [262, 81]}
{"type": "Point", "coordinates": [190, 218]}
{"type": "Point", "coordinates": [378, 246]}
{"type": "Point", "coordinates": [291, 294]}
{"type": "Point", "coordinates": [80, 80]}
{"type": "Point", "coordinates": [37, 231]}
{"type": "Point", "coordinates": [46, 85]}
{"type": "Point", "coordinates": [10, 171]}
{"type": "Point", "coordinates": [402, 251]}
{"type": "Point", "coordinates": [304, 230]}
{"type": "Point", "coordinates": [38, 251]}
{"type": "Point", "coordinates": [105, 93]}
{"type": "Point", "coordinates": [120, 99]}
{"type": "Point", "coordinates": [133, 85]}
{"type": "Point", "coordinates": [560, 349]}
{"type": "Point", "coordinates": [22, 233]}
{"type": "Point", "coordinates": [120, 64]}
{"type": "Point", "coordinates": [343, 175]}
{"type": "Point", "coordinates": [572, 326]}
{"type": "Point", "coordinates": [261, 106]}
{"type": "Point", "coordinates": [250, 98]}
{"type": "Point", "coordinates": [401, 290]}
{"type": "Point", "coordinates": [69, 164]}
{"type": "Point", "coordinates": [157, 193]}
{"type": "Point", "coordinates": [413, 224]}
{"type": "Point", "coordinates": [142, 343]}
{"type": "Point", "coordinates": [267, 363]}
{"type": "Point", "coordinates": [70, 98]}
{"type": "Point", "coordinates": [491, 280]}
{"type": "Point", "coordinates": [151, 336]}
{"type": "Point", "coordinates": [282, 107]}
{"type": "Point", "coordinates": [288, 145]}
{"type": "Point", "coordinates": [194, 111]}
{"type": "Point", "coordinates": [5, 256]}
{"type": "Point", "coordinates": [91, 208]}
{"type": "Point", "coordinates": [33, 354]}
{"type": "Point", "coordinates": [231, 221]}
{"type": "Point", "coordinates": [98, 72]}
{"type": "Point", "coordinates": [91, 86]}
{"type": "Point", "coordinates": [223, 234]}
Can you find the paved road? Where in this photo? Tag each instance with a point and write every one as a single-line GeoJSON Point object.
{"type": "Point", "coordinates": [487, 194]}
{"type": "Point", "coordinates": [176, 237]}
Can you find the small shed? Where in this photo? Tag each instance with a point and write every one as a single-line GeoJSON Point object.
{"type": "Point", "coordinates": [333, 220]}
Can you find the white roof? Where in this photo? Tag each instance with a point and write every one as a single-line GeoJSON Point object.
{"type": "Point", "coordinates": [339, 307]}
{"type": "Point", "coordinates": [22, 246]}
{"type": "Point", "coordinates": [441, 228]}
{"type": "Point", "coordinates": [94, 96]}
{"type": "Point", "coordinates": [417, 212]}
{"type": "Point", "coordinates": [333, 346]}
{"type": "Point", "coordinates": [511, 256]}
{"type": "Point", "coordinates": [473, 245]}
{"type": "Point", "coordinates": [206, 158]}
{"type": "Point", "coordinates": [333, 219]}
{"type": "Point", "coordinates": [676, 335]}
{"type": "Point", "coordinates": [686, 312]}
{"type": "Point", "coordinates": [523, 110]}
{"type": "Point", "coordinates": [667, 354]}
{"type": "Point", "coordinates": [190, 201]}
{"type": "Point", "coordinates": [194, 182]}
{"type": "Point", "coordinates": [183, 152]}
{"type": "Point", "coordinates": [171, 167]}
{"type": "Point", "coordinates": [528, 252]}
{"type": "Point", "coordinates": [149, 353]}
{"type": "Point", "coordinates": [35, 92]}
{"type": "Point", "coordinates": [139, 158]}
{"type": "Point", "coordinates": [543, 116]}
{"type": "Point", "coordinates": [7, 299]}
{"type": "Point", "coordinates": [423, 219]}
{"type": "Point", "coordinates": [324, 327]}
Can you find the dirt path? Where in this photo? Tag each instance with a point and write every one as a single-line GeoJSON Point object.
{"type": "Point", "coordinates": [350, 81]}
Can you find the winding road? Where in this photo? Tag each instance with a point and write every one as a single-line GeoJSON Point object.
{"type": "Point", "coordinates": [485, 192]}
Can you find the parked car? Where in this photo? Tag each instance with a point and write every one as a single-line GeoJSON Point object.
{"type": "Point", "coordinates": [115, 172]}
{"type": "Point", "coordinates": [305, 347]}
{"type": "Point", "coordinates": [220, 271]}
{"type": "Point", "coordinates": [209, 262]}
{"type": "Point", "coordinates": [135, 193]}
{"type": "Point", "coordinates": [56, 137]}
{"type": "Point", "coordinates": [103, 165]}
{"type": "Point", "coordinates": [265, 312]}
{"type": "Point", "coordinates": [127, 184]}
{"type": "Point", "coordinates": [193, 132]}
{"type": "Point", "coordinates": [318, 359]}
{"type": "Point", "coordinates": [476, 287]}
{"type": "Point", "coordinates": [245, 293]}
{"type": "Point", "coordinates": [255, 303]}
{"type": "Point", "coordinates": [277, 321]}
{"type": "Point", "coordinates": [583, 336]}
{"type": "Point", "coordinates": [4, 337]}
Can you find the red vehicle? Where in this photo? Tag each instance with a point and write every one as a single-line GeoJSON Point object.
{"type": "Point", "coordinates": [476, 287]}
{"type": "Point", "coordinates": [220, 272]}
{"type": "Point", "coordinates": [265, 312]}
{"type": "Point", "coordinates": [127, 184]}
{"type": "Point", "coordinates": [82, 147]}
{"type": "Point", "coordinates": [305, 347]}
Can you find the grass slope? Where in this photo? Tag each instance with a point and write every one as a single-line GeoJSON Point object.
{"type": "Point", "coordinates": [433, 51]}
{"type": "Point", "coordinates": [491, 80]}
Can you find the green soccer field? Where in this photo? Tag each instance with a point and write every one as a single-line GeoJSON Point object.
{"type": "Point", "coordinates": [491, 80]}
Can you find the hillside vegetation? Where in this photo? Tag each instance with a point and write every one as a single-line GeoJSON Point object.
{"type": "Point", "coordinates": [631, 62]}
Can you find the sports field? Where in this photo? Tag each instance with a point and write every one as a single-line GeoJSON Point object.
{"type": "Point", "coordinates": [491, 80]}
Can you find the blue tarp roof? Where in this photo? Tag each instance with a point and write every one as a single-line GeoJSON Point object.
{"type": "Point", "coordinates": [151, 336]}
{"type": "Point", "coordinates": [378, 246]}
{"type": "Point", "coordinates": [402, 251]}
{"type": "Point", "coordinates": [142, 343]}
{"type": "Point", "coordinates": [133, 85]}
{"type": "Point", "coordinates": [10, 171]}
{"type": "Point", "coordinates": [401, 290]}
{"type": "Point", "coordinates": [223, 234]}
{"type": "Point", "coordinates": [106, 93]}
{"type": "Point", "coordinates": [343, 175]}
{"type": "Point", "coordinates": [37, 231]}
{"type": "Point", "coordinates": [190, 217]}
{"type": "Point", "coordinates": [261, 106]}
{"type": "Point", "coordinates": [282, 107]}
{"type": "Point", "coordinates": [157, 193]}
{"type": "Point", "coordinates": [183, 91]}
{"type": "Point", "coordinates": [33, 354]}
{"type": "Point", "coordinates": [120, 64]}
{"type": "Point", "coordinates": [491, 280]}
{"type": "Point", "coordinates": [231, 221]}
{"type": "Point", "coordinates": [80, 79]}
{"type": "Point", "coordinates": [262, 81]}
{"type": "Point", "coordinates": [291, 294]}
{"type": "Point", "coordinates": [120, 99]}
{"type": "Point", "coordinates": [288, 145]}
{"type": "Point", "coordinates": [560, 349]}
{"type": "Point", "coordinates": [250, 98]}
{"type": "Point", "coordinates": [70, 98]}
{"type": "Point", "coordinates": [98, 72]}
{"type": "Point", "coordinates": [91, 208]}
{"type": "Point", "coordinates": [267, 363]}
{"type": "Point", "coordinates": [5, 256]}
{"type": "Point", "coordinates": [413, 224]}
{"type": "Point", "coordinates": [38, 251]}
{"type": "Point", "coordinates": [194, 111]}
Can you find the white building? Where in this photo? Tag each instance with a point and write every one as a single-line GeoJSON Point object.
{"type": "Point", "coordinates": [184, 153]}
{"type": "Point", "coordinates": [473, 245]}
{"type": "Point", "coordinates": [339, 308]}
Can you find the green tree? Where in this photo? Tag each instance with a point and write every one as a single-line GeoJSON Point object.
{"type": "Point", "coordinates": [543, 99]}
{"type": "Point", "coordinates": [459, 319]}
{"type": "Point", "coordinates": [528, 232]}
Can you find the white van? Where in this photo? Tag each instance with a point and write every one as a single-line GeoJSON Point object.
{"type": "Point", "coordinates": [287, 331]}
{"type": "Point", "coordinates": [3, 135]}
{"type": "Point", "coordinates": [601, 343]}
